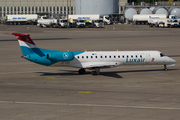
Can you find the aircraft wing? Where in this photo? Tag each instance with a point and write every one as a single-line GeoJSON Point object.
{"type": "Point", "coordinates": [99, 65]}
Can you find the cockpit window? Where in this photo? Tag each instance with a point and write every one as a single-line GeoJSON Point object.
{"type": "Point", "coordinates": [162, 55]}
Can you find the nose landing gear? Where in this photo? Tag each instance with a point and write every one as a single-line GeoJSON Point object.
{"type": "Point", "coordinates": [165, 68]}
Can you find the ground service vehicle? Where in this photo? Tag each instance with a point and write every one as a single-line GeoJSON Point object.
{"type": "Point", "coordinates": [99, 23]}
{"type": "Point", "coordinates": [45, 22]}
{"type": "Point", "coordinates": [165, 23]}
{"type": "Point", "coordinates": [172, 21]}
{"type": "Point", "coordinates": [143, 18]}
{"type": "Point", "coordinates": [80, 23]}
{"type": "Point", "coordinates": [105, 18]}
{"type": "Point", "coordinates": [63, 23]}
{"type": "Point", "coordinates": [72, 23]}
{"type": "Point", "coordinates": [22, 19]}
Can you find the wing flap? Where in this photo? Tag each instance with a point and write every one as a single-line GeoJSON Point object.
{"type": "Point", "coordinates": [99, 65]}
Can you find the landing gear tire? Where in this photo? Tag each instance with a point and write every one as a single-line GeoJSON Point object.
{"type": "Point", "coordinates": [40, 26]}
{"type": "Point", "coordinates": [96, 71]}
{"type": "Point", "coordinates": [165, 68]}
{"type": "Point", "coordinates": [81, 71]}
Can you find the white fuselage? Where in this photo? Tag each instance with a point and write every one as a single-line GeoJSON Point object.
{"type": "Point", "coordinates": [107, 59]}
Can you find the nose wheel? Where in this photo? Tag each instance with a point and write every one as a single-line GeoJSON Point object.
{"type": "Point", "coordinates": [165, 68]}
{"type": "Point", "coordinates": [82, 71]}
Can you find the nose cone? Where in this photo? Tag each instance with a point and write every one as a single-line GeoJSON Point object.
{"type": "Point", "coordinates": [172, 61]}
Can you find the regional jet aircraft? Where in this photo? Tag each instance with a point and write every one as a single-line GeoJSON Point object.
{"type": "Point", "coordinates": [89, 59]}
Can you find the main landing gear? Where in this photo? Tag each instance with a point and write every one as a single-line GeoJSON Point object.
{"type": "Point", "coordinates": [82, 71]}
{"type": "Point", "coordinates": [165, 68]}
{"type": "Point", "coordinates": [95, 71]}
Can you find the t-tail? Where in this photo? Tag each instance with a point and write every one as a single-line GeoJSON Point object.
{"type": "Point", "coordinates": [28, 47]}
{"type": "Point", "coordinates": [38, 55]}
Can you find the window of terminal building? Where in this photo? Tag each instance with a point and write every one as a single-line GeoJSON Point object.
{"type": "Point", "coordinates": [14, 9]}
{"type": "Point", "coordinates": [46, 9]}
{"type": "Point", "coordinates": [57, 9]}
{"type": "Point", "coordinates": [11, 9]}
{"type": "Point", "coordinates": [36, 9]}
{"type": "Point", "coordinates": [0, 9]}
{"type": "Point", "coordinates": [64, 10]}
{"type": "Point", "coordinates": [68, 10]}
{"type": "Point", "coordinates": [61, 10]}
{"type": "Point", "coordinates": [71, 8]}
{"type": "Point", "coordinates": [43, 9]}
{"type": "Point", "coordinates": [50, 9]}
{"type": "Point", "coordinates": [7, 9]}
{"type": "Point", "coordinates": [25, 9]}
{"type": "Point", "coordinates": [54, 9]}
{"type": "Point", "coordinates": [21, 8]}
{"type": "Point", "coordinates": [39, 8]}
{"type": "Point", "coordinates": [4, 9]}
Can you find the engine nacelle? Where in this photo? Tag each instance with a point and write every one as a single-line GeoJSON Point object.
{"type": "Point", "coordinates": [61, 56]}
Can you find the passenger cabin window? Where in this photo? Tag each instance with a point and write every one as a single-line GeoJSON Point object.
{"type": "Point", "coordinates": [109, 56]}
{"type": "Point", "coordinates": [131, 56]}
{"type": "Point", "coordinates": [141, 56]}
{"type": "Point", "coordinates": [127, 56]}
{"type": "Point", "coordinates": [96, 56]}
{"type": "Point", "coordinates": [136, 56]}
{"type": "Point", "coordinates": [101, 56]}
{"type": "Point", "coordinates": [119, 56]}
{"type": "Point", "coordinates": [105, 56]}
{"type": "Point", "coordinates": [78, 57]}
{"type": "Point", "coordinates": [86, 56]}
{"type": "Point", "coordinates": [114, 56]}
{"type": "Point", "coordinates": [162, 55]}
{"type": "Point", "coordinates": [91, 56]}
{"type": "Point", "coordinates": [82, 56]}
{"type": "Point", "coordinates": [123, 56]}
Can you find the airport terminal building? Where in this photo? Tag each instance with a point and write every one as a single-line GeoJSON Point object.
{"type": "Point", "coordinates": [54, 8]}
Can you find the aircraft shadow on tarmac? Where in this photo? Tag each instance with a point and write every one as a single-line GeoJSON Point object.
{"type": "Point", "coordinates": [38, 39]}
{"type": "Point", "coordinates": [114, 74]}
